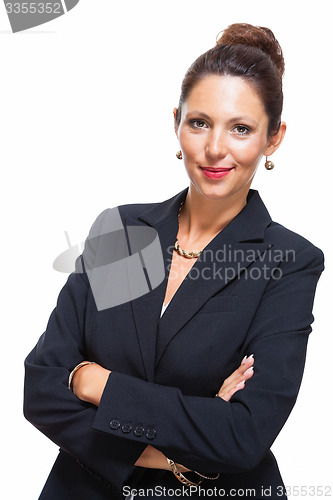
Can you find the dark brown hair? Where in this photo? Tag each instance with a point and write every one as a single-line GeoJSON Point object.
{"type": "Point", "coordinates": [249, 52]}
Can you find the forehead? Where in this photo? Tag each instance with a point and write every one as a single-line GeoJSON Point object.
{"type": "Point", "coordinates": [225, 96]}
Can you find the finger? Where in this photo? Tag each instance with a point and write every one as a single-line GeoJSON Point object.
{"type": "Point", "coordinates": [243, 377]}
{"type": "Point", "coordinates": [226, 395]}
{"type": "Point", "coordinates": [237, 382]}
{"type": "Point", "coordinates": [227, 392]}
{"type": "Point", "coordinates": [243, 368]}
{"type": "Point", "coordinates": [236, 376]}
{"type": "Point", "coordinates": [248, 374]}
{"type": "Point", "coordinates": [246, 362]}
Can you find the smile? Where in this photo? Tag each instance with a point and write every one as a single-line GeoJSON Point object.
{"type": "Point", "coordinates": [216, 173]}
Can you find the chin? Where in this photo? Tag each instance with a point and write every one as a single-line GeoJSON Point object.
{"type": "Point", "coordinates": [213, 192]}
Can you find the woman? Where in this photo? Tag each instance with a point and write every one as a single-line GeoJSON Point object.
{"type": "Point", "coordinates": [142, 416]}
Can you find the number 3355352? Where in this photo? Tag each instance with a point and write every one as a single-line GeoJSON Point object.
{"type": "Point", "coordinates": [33, 8]}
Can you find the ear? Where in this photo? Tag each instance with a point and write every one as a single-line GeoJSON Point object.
{"type": "Point", "coordinates": [276, 139]}
{"type": "Point", "coordinates": [174, 118]}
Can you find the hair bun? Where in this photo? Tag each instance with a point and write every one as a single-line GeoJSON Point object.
{"type": "Point", "coordinates": [254, 36]}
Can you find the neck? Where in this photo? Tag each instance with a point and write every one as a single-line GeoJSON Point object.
{"type": "Point", "coordinates": [203, 217]}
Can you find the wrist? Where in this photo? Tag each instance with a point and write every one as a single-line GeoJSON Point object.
{"type": "Point", "coordinates": [177, 471]}
{"type": "Point", "coordinates": [182, 468]}
{"type": "Point", "coordinates": [89, 382]}
{"type": "Point", "coordinates": [76, 369]}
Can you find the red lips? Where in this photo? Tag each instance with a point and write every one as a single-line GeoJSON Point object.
{"type": "Point", "coordinates": [215, 173]}
{"type": "Point", "coordinates": [210, 169]}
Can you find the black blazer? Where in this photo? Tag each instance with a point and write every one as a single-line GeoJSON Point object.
{"type": "Point", "coordinates": [251, 291]}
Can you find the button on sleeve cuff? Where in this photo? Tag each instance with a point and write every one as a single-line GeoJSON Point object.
{"type": "Point", "coordinates": [113, 415]}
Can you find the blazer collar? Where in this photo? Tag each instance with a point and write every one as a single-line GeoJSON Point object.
{"type": "Point", "coordinates": [245, 231]}
{"type": "Point", "coordinates": [249, 224]}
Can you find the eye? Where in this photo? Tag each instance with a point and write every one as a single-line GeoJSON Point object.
{"type": "Point", "coordinates": [242, 130]}
{"type": "Point", "coordinates": [198, 124]}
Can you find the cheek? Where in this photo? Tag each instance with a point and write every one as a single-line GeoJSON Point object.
{"type": "Point", "coordinates": [191, 144]}
{"type": "Point", "coordinates": [249, 153]}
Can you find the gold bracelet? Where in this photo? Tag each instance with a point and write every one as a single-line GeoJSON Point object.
{"type": "Point", "coordinates": [80, 365]}
{"type": "Point", "coordinates": [179, 475]}
{"type": "Point", "coordinates": [208, 477]}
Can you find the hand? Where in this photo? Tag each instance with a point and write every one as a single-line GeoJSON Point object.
{"type": "Point", "coordinates": [237, 379]}
{"type": "Point", "coordinates": [151, 458]}
{"type": "Point", "coordinates": [89, 382]}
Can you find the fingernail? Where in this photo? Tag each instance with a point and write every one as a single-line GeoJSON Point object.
{"type": "Point", "coordinates": [248, 370]}
{"type": "Point", "coordinates": [240, 384]}
{"type": "Point", "coordinates": [251, 356]}
{"type": "Point", "coordinates": [244, 360]}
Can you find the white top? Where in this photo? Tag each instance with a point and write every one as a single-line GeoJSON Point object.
{"type": "Point", "coordinates": [164, 306]}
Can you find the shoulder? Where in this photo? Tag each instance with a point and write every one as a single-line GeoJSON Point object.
{"type": "Point", "coordinates": [151, 211]}
{"type": "Point", "coordinates": [289, 242]}
{"type": "Point", "coordinates": [115, 216]}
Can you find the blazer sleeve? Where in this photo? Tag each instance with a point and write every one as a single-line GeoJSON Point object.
{"type": "Point", "coordinates": [210, 433]}
{"type": "Point", "coordinates": [55, 410]}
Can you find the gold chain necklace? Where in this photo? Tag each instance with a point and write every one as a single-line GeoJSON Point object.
{"type": "Point", "coordinates": [183, 253]}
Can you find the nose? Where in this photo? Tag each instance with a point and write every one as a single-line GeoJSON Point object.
{"type": "Point", "coordinates": [216, 147]}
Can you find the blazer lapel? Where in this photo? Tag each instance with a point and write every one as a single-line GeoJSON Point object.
{"type": "Point", "coordinates": [208, 276]}
{"type": "Point", "coordinates": [221, 261]}
{"type": "Point", "coordinates": [147, 308]}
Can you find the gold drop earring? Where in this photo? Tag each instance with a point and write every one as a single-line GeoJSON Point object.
{"type": "Point", "coordinates": [269, 165]}
{"type": "Point", "coordinates": [179, 155]}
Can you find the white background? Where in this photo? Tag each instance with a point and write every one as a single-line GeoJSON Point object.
{"type": "Point", "coordinates": [86, 123]}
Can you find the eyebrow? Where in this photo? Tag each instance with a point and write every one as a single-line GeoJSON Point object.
{"type": "Point", "coordinates": [245, 118]}
{"type": "Point", "coordinates": [239, 118]}
{"type": "Point", "coordinates": [198, 113]}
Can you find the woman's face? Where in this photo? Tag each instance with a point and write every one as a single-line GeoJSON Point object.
{"type": "Point", "coordinates": [223, 136]}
